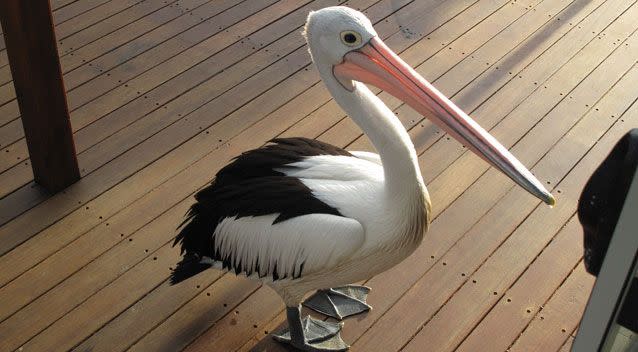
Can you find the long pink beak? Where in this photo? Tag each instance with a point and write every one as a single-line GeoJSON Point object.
{"type": "Point", "coordinates": [378, 65]}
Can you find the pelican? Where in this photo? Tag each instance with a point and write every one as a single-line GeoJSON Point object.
{"type": "Point", "coordinates": [302, 215]}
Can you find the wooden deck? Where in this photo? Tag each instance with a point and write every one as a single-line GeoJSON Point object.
{"type": "Point", "coordinates": [163, 93]}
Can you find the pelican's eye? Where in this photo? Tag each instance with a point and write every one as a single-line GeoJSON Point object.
{"type": "Point", "coordinates": [350, 38]}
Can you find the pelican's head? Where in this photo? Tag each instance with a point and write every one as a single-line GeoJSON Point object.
{"type": "Point", "coordinates": [344, 44]}
{"type": "Point", "coordinates": [333, 32]}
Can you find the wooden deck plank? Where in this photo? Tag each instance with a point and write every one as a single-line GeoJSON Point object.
{"type": "Point", "coordinates": [9, 112]}
{"type": "Point", "coordinates": [67, 11]}
{"type": "Point", "coordinates": [516, 308]}
{"type": "Point", "coordinates": [261, 336]}
{"type": "Point", "coordinates": [103, 20]}
{"type": "Point", "coordinates": [550, 328]}
{"type": "Point", "coordinates": [122, 332]}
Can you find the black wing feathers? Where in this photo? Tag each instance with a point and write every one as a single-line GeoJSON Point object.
{"type": "Point", "coordinates": [262, 162]}
{"type": "Point", "coordinates": [249, 186]}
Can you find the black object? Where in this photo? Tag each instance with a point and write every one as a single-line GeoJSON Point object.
{"type": "Point", "coordinates": [603, 197]}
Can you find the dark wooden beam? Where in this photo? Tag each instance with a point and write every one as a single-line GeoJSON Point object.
{"type": "Point", "coordinates": [35, 66]}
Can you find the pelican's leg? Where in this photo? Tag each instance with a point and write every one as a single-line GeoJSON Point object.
{"type": "Point", "coordinates": [340, 302]}
{"type": "Point", "coordinates": [311, 334]}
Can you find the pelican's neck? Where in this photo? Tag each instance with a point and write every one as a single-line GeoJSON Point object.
{"type": "Point", "coordinates": [385, 131]}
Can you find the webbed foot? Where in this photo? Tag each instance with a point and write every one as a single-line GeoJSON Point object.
{"type": "Point", "coordinates": [311, 334]}
{"type": "Point", "coordinates": [340, 302]}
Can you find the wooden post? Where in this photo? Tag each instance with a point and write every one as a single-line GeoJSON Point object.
{"type": "Point", "coordinates": [35, 66]}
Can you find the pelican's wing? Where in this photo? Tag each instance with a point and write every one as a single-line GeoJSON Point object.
{"type": "Point", "coordinates": [246, 217]}
{"type": "Point", "coordinates": [265, 161]}
{"type": "Point", "coordinates": [266, 225]}
{"type": "Point", "coordinates": [287, 249]}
